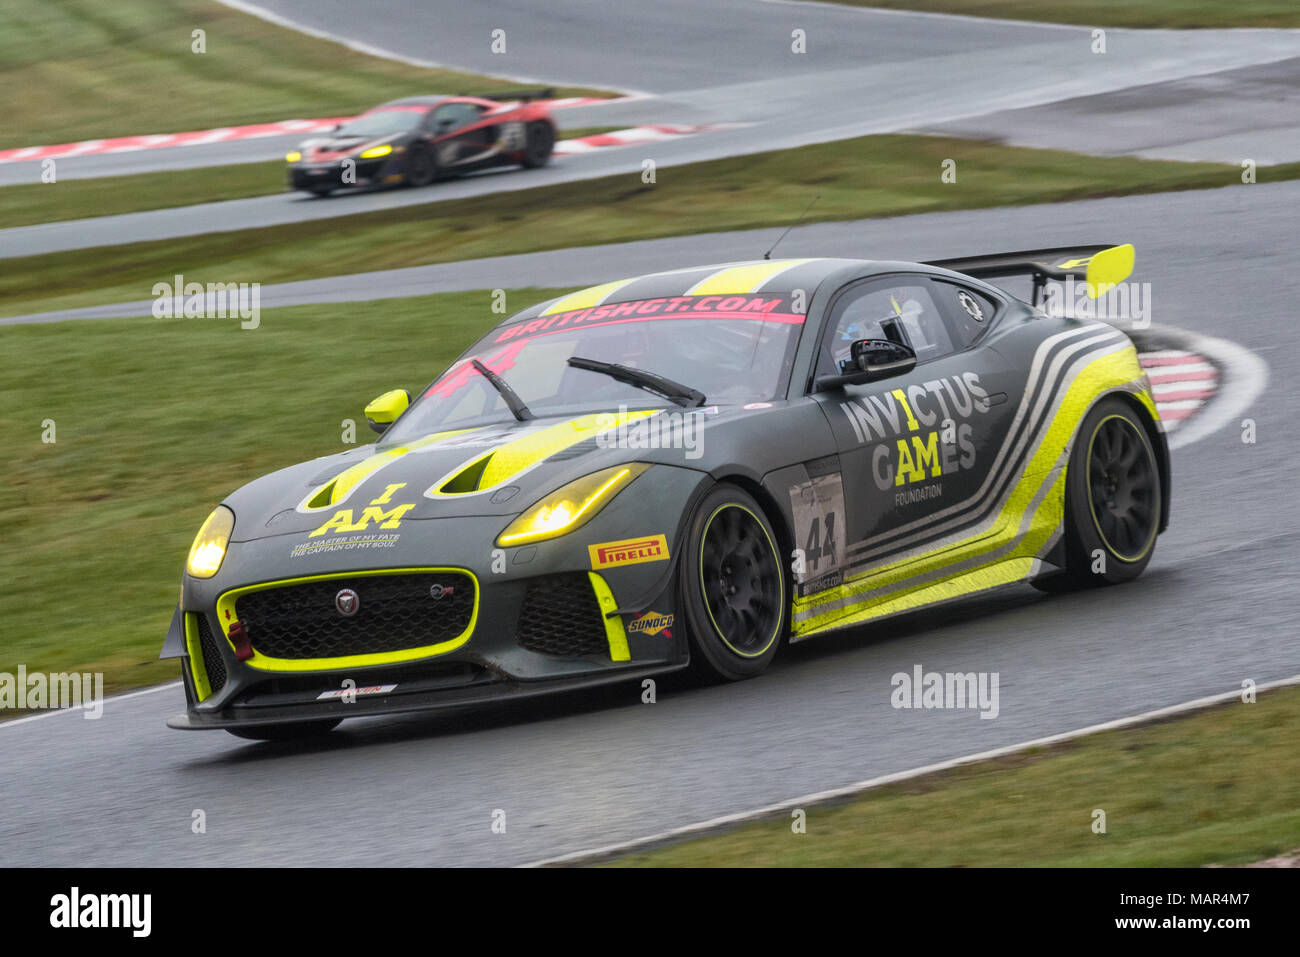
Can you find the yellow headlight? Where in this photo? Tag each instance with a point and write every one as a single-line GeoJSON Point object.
{"type": "Point", "coordinates": [292, 157]}
{"type": "Point", "coordinates": [569, 507]}
{"type": "Point", "coordinates": [376, 151]}
{"type": "Point", "coordinates": [210, 543]}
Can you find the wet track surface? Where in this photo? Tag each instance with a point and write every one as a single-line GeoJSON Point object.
{"type": "Point", "coordinates": [572, 773]}
{"type": "Point", "coordinates": [865, 71]}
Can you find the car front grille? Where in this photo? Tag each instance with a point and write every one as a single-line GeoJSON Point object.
{"type": "Point", "coordinates": [561, 616]}
{"type": "Point", "coordinates": [213, 663]}
{"type": "Point", "coordinates": [394, 613]}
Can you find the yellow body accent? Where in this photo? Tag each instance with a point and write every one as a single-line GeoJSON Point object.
{"type": "Point", "coordinates": [387, 407]}
{"type": "Point", "coordinates": [741, 279]}
{"type": "Point", "coordinates": [198, 671]}
{"type": "Point", "coordinates": [292, 156]}
{"type": "Point", "coordinates": [376, 151]}
{"type": "Point", "coordinates": [513, 457]}
{"type": "Point", "coordinates": [584, 298]}
{"type": "Point", "coordinates": [505, 462]}
{"type": "Point", "coordinates": [338, 488]}
{"type": "Point", "coordinates": [1108, 267]}
{"type": "Point", "coordinates": [226, 614]}
{"type": "Point", "coordinates": [354, 475]}
{"type": "Point", "coordinates": [614, 632]}
{"type": "Point", "coordinates": [1148, 403]}
{"type": "Point", "coordinates": [901, 581]}
{"type": "Point", "coordinates": [1105, 268]}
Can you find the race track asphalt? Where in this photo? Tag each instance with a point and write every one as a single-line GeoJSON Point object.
{"type": "Point", "coordinates": [864, 71]}
{"type": "Point", "coordinates": [1215, 607]}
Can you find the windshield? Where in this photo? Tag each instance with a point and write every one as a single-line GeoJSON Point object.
{"type": "Point", "coordinates": [383, 122]}
{"type": "Point", "coordinates": [733, 357]}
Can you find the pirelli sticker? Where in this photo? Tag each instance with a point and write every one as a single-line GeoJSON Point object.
{"type": "Point", "coordinates": [629, 551]}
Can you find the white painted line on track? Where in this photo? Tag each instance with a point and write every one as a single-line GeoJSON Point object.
{"type": "Point", "coordinates": [728, 820]}
{"type": "Point", "coordinates": [81, 710]}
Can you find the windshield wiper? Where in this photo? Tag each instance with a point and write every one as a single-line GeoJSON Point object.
{"type": "Point", "coordinates": [513, 402]}
{"type": "Point", "coordinates": [683, 395]}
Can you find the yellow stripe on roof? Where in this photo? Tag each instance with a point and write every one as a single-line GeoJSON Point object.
{"type": "Point", "coordinates": [741, 279]}
{"type": "Point", "coordinates": [592, 296]}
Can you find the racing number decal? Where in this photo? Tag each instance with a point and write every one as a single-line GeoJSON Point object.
{"type": "Point", "coordinates": [512, 136]}
{"type": "Point", "coordinates": [818, 508]}
{"type": "Point", "coordinates": [813, 549]}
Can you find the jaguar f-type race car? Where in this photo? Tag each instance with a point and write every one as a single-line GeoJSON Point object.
{"type": "Point", "coordinates": [682, 470]}
{"type": "Point", "coordinates": [417, 140]}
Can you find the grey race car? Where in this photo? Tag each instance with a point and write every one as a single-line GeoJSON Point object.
{"type": "Point", "coordinates": [682, 469]}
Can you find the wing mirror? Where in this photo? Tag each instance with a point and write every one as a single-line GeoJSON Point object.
{"type": "Point", "coordinates": [869, 361]}
{"type": "Point", "coordinates": [383, 411]}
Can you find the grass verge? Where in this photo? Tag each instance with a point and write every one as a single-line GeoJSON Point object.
{"type": "Point", "coordinates": [27, 205]}
{"type": "Point", "coordinates": [1170, 14]}
{"type": "Point", "coordinates": [1216, 786]}
{"type": "Point", "coordinates": [92, 70]}
{"type": "Point", "coordinates": [155, 422]}
{"type": "Point", "coordinates": [887, 175]}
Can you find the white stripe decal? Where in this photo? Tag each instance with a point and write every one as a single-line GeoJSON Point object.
{"type": "Point", "coordinates": [1017, 436]}
{"type": "Point", "coordinates": [860, 568]}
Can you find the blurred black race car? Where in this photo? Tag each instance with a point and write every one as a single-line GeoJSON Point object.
{"type": "Point", "coordinates": [419, 139]}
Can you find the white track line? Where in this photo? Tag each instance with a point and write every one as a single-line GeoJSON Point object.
{"type": "Point", "coordinates": [819, 797]}
{"type": "Point", "coordinates": [81, 710]}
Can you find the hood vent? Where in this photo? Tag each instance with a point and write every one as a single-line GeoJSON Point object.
{"type": "Point", "coordinates": [468, 478]}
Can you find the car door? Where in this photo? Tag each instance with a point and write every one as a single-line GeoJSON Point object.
{"type": "Point", "coordinates": [918, 450]}
{"type": "Point", "coordinates": [455, 143]}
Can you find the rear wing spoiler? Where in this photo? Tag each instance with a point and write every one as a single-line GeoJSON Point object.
{"type": "Point", "coordinates": [523, 96]}
{"type": "Point", "coordinates": [1101, 267]}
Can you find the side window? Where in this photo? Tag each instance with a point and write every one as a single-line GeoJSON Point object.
{"type": "Point", "coordinates": [971, 310]}
{"type": "Point", "coordinates": [898, 308]}
{"type": "Point", "coordinates": [452, 116]}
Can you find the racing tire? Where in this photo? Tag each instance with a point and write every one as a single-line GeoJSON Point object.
{"type": "Point", "coordinates": [294, 731]}
{"type": "Point", "coordinates": [1112, 500]}
{"type": "Point", "coordinates": [539, 143]}
{"type": "Point", "coordinates": [733, 587]}
{"type": "Point", "coordinates": [421, 169]}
